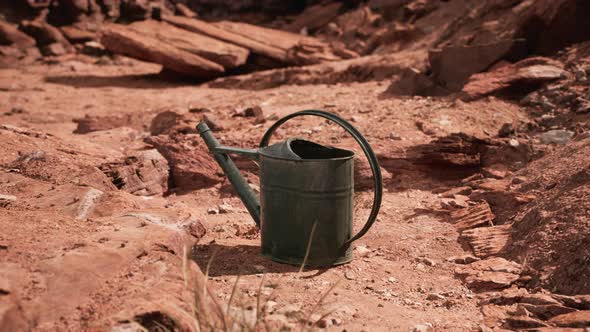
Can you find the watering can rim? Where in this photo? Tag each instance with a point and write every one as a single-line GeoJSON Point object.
{"type": "Point", "coordinates": [288, 141]}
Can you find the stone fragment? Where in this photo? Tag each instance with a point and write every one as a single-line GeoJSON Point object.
{"type": "Point", "coordinates": [434, 297]}
{"type": "Point", "coordinates": [530, 71]}
{"type": "Point", "coordinates": [143, 174]}
{"type": "Point", "coordinates": [524, 322]}
{"type": "Point", "coordinates": [93, 48]}
{"type": "Point", "coordinates": [45, 34]}
{"type": "Point", "coordinates": [191, 164]}
{"type": "Point", "coordinates": [10, 35]}
{"type": "Point", "coordinates": [558, 136]}
{"type": "Point", "coordinates": [572, 319]}
{"type": "Point", "coordinates": [87, 203]}
{"type": "Point", "coordinates": [76, 35]}
{"type": "Point", "coordinates": [53, 49]}
{"type": "Point", "coordinates": [489, 274]}
{"type": "Point", "coordinates": [217, 51]}
{"type": "Point", "coordinates": [581, 302]}
{"type": "Point", "coordinates": [547, 311]}
{"type": "Point", "coordinates": [362, 251]}
{"type": "Point", "coordinates": [212, 123]}
{"type": "Point", "coordinates": [473, 216]}
{"type": "Point", "coordinates": [6, 200]}
{"type": "Point", "coordinates": [487, 241]}
{"type": "Point", "coordinates": [465, 259]}
{"type": "Point", "coordinates": [427, 327]}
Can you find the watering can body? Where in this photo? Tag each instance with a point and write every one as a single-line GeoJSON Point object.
{"type": "Point", "coordinates": [305, 211]}
{"type": "Point", "coordinates": [306, 202]}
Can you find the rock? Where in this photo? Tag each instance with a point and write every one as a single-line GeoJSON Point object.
{"type": "Point", "coordinates": [212, 211]}
{"type": "Point", "coordinates": [477, 215]}
{"type": "Point", "coordinates": [427, 261]}
{"type": "Point", "coordinates": [124, 40]}
{"type": "Point", "coordinates": [93, 48]}
{"type": "Point", "coordinates": [524, 322]}
{"type": "Point", "coordinates": [531, 71]}
{"type": "Point", "coordinates": [362, 251]}
{"type": "Point", "coordinates": [394, 136]}
{"type": "Point", "coordinates": [54, 49]}
{"type": "Point", "coordinates": [255, 112]}
{"type": "Point", "coordinates": [465, 259]}
{"type": "Point", "coordinates": [212, 123]}
{"type": "Point", "coordinates": [434, 297]}
{"type": "Point", "coordinates": [6, 200]}
{"type": "Point", "coordinates": [323, 323]}
{"type": "Point", "coordinates": [191, 164]}
{"type": "Point", "coordinates": [572, 319]}
{"type": "Point", "coordinates": [547, 311]}
{"type": "Point", "coordinates": [35, 155]}
{"type": "Point", "coordinates": [225, 54]}
{"type": "Point", "coordinates": [173, 121]}
{"type": "Point", "coordinates": [560, 137]}
{"type": "Point", "coordinates": [453, 65]}
{"type": "Point", "coordinates": [487, 241]}
{"type": "Point", "coordinates": [226, 208]}
{"type": "Point", "coordinates": [183, 10]}
{"type": "Point", "coordinates": [196, 229]}
{"type": "Point", "coordinates": [349, 275]}
{"type": "Point", "coordinates": [87, 203]}
{"type": "Point", "coordinates": [143, 174]}
{"type": "Point", "coordinates": [465, 190]}
{"type": "Point", "coordinates": [456, 202]}
{"type": "Point", "coordinates": [497, 171]}
{"type": "Point", "coordinates": [581, 302]}
{"type": "Point", "coordinates": [583, 107]}
{"type": "Point", "coordinates": [45, 34]}
{"type": "Point", "coordinates": [77, 35]}
{"type": "Point", "coordinates": [136, 10]}
{"type": "Point", "coordinates": [10, 35]}
{"type": "Point", "coordinates": [427, 327]}
{"type": "Point", "coordinates": [489, 274]}
{"type": "Point", "coordinates": [284, 47]}
{"type": "Point", "coordinates": [506, 130]}
{"type": "Point", "coordinates": [457, 149]}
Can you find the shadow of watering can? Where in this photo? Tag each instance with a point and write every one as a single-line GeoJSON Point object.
{"type": "Point", "coordinates": [305, 211]}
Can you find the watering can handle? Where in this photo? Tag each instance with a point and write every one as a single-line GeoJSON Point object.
{"type": "Point", "coordinates": [373, 162]}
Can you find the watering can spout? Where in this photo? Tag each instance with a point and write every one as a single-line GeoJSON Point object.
{"type": "Point", "coordinates": [221, 154]}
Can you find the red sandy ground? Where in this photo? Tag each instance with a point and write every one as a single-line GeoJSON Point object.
{"type": "Point", "coordinates": [69, 275]}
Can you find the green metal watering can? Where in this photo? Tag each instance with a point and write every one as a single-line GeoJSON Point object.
{"type": "Point", "coordinates": [305, 211]}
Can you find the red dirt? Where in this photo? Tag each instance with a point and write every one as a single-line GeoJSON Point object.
{"type": "Point", "coordinates": [402, 237]}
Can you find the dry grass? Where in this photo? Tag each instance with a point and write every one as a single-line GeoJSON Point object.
{"type": "Point", "coordinates": [230, 320]}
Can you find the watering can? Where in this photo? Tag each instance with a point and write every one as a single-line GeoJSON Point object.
{"type": "Point", "coordinates": [305, 211]}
